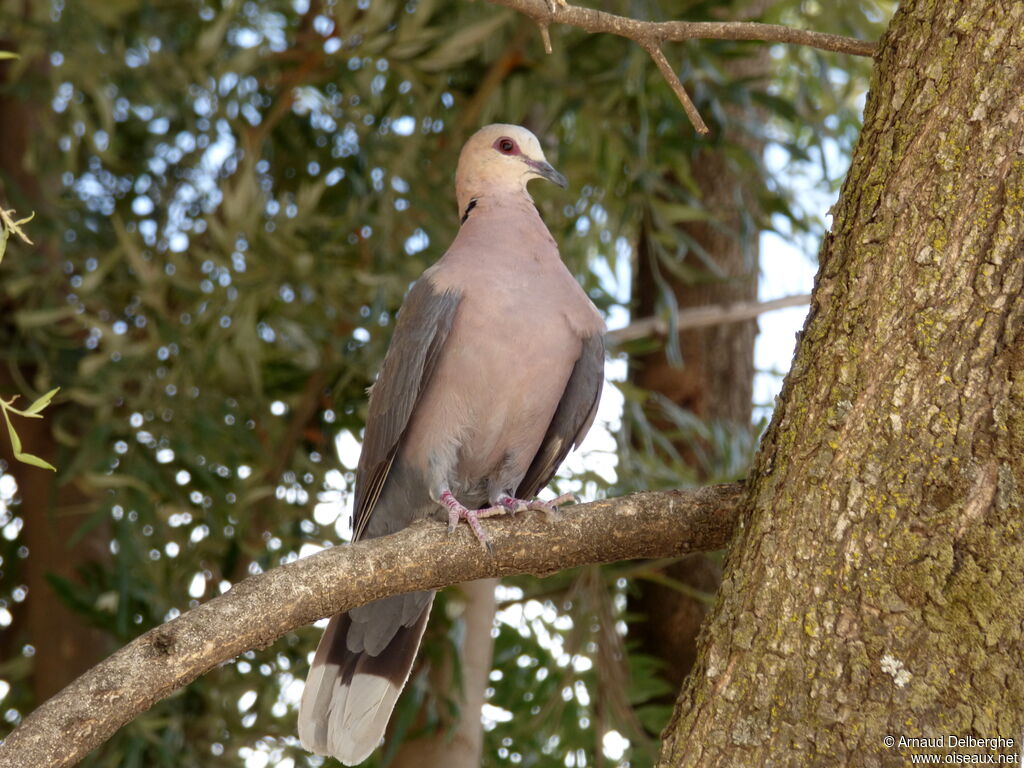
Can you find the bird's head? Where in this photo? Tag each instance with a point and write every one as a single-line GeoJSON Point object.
{"type": "Point", "coordinates": [500, 159]}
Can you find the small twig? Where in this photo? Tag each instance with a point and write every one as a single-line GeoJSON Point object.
{"type": "Point", "coordinates": [9, 223]}
{"type": "Point", "coordinates": [643, 32]}
{"type": "Point", "coordinates": [546, 37]}
{"type": "Point", "coordinates": [699, 317]}
{"type": "Point", "coordinates": [656, 577]}
{"type": "Point", "coordinates": [673, 80]}
{"type": "Point", "coordinates": [651, 34]}
{"type": "Point", "coordinates": [9, 226]}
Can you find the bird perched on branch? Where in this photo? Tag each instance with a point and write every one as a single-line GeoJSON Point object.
{"type": "Point", "coordinates": [493, 374]}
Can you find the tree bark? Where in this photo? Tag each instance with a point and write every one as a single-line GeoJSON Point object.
{"type": "Point", "coordinates": [875, 588]}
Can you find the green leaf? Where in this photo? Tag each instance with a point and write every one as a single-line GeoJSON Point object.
{"type": "Point", "coordinates": [69, 593]}
{"type": "Point", "coordinates": [41, 403]}
{"type": "Point", "coordinates": [20, 455]}
{"type": "Point", "coordinates": [35, 461]}
{"type": "Point", "coordinates": [37, 318]}
{"type": "Point", "coordinates": [15, 440]}
{"type": "Point", "coordinates": [9, 55]}
{"type": "Point", "coordinates": [463, 44]}
{"type": "Point", "coordinates": [676, 213]}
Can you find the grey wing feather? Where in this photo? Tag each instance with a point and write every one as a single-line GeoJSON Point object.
{"type": "Point", "coordinates": [572, 419]}
{"type": "Point", "coordinates": [424, 323]}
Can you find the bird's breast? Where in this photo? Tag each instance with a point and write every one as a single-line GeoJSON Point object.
{"type": "Point", "coordinates": [505, 367]}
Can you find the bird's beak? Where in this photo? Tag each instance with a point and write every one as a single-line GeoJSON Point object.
{"type": "Point", "coordinates": [545, 171]}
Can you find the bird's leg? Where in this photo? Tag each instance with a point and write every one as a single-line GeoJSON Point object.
{"type": "Point", "coordinates": [550, 508]}
{"type": "Point", "coordinates": [457, 511]}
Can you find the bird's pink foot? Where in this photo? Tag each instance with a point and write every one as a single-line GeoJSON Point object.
{"type": "Point", "coordinates": [550, 508]}
{"type": "Point", "coordinates": [457, 511]}
{"type": "Point", "coordinates": [506, 505]}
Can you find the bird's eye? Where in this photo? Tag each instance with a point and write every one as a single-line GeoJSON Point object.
{"type": "Point", "coordinates": [506, 146]}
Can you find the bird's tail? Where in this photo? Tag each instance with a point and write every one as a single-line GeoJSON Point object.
{"type": "Point", "coordinates": [349, 695]}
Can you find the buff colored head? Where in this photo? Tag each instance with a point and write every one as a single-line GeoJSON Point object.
{"type": "Point", "coordinates": [499, 159]}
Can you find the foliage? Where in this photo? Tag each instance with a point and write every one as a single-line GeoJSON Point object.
{"type": "Point", "coordinates": [240, 194]}
{"type": "Point", "coordinates": [11, 226]}
{"type": "Point", "coordinates": [33, 411]}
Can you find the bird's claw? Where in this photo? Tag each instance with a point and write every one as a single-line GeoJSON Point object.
{"type": "Point", "coordinates": [506, 505]}
{"type": "Point", "coordinates": [549, 508]}
{"type": "Point", "coordinates": [457, 511]}
{"type": "Point", "coordinates": [472, 517]}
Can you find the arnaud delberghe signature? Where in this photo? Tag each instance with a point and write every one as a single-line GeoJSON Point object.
{"type": "Point", "coordinates": [952, 741]}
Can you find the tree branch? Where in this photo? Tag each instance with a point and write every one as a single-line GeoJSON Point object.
{"type": "Point", "coordinates": [257, 611]}
{"type": "Point", "coordinates": [651, 34]}
{"type": "Point", "coordinates": [676, 85]}
{"type": "Point", "coordinates": [698, 317]}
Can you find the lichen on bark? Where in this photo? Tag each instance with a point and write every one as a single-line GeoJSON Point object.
{"type": "Point", "coordinates": [877, 587]}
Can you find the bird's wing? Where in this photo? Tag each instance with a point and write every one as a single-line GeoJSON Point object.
{"type": "Point", "coordinates": [424, 323]}
{"type": "Point", "coordinates": [572, 419]}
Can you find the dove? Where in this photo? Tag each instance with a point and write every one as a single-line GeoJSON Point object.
{"type": "Point", "coordinates": [492, 376]}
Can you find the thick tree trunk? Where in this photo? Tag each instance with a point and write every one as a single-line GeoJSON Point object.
{"type": "Point", "coordinates": [876, 587]}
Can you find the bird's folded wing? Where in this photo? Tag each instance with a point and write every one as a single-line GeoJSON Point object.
{"type": "Point", "coordinates": [424, 323]}
{"type": "Point", "coordinates": [572, 419]}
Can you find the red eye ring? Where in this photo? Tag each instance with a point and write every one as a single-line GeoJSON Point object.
{"type": "Point", "coordinates": [505, 145]}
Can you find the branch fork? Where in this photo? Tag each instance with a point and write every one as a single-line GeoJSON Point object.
{"type": "Point", "coordinates": [650, 35]}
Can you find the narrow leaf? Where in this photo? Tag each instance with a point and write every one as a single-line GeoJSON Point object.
{"type": "Point", "coordinates": [15, 440]}
{"type": "Point", "coordinates": [42, 402]}
{"type": "Point", "coordinates": [463, 44]}
{"type": "Point", "coordinates": [20, 455]}
{"type": "Point", "coordinates": [35, 461]}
